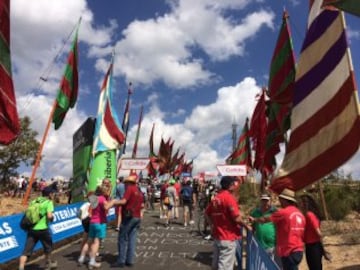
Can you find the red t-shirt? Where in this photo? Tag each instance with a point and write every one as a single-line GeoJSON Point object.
{"type": "Point", "coordinates": [177, 186]}
{"type": "Point", "coordinates": [290, 227]}
{"type": "Point", "coordinates": [312, 224]}
{"type": "Point", "coordinates": [223, 210]}
{"type": "Point", "coordinates": [134, 200]}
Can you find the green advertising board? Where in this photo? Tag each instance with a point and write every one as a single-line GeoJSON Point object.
{"type": "Point", "coordinates": [82, 145]}
{"type": "Point", "coordinates": [103, 166]}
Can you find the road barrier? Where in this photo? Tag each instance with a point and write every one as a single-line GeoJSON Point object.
{"type": "Point", "coordinates": [65, 224]}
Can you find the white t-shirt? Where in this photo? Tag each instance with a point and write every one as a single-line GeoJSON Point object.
{"type": "Point", "coordinates": [84, 210]}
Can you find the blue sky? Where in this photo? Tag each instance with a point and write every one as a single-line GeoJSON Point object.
{"type": "Point", "coordinates": [196, 66]}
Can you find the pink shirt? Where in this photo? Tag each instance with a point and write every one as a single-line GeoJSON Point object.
{"type": "Point", "coordinates": [98, 215]}
{"type": "Point", "coordinates": [223, 210]}
{"type": "Point", "coordinates": [290, 227]}
{"type": "Point", "coordinates": [312, 224]}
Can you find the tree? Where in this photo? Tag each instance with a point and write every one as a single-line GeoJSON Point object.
{"type": "Point", "coordinates": [22, 150]}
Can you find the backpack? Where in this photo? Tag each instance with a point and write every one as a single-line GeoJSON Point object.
{"type": "Point", "coordinates": [186, 194]}
{"type": "Point", "coordinates": [32, 214]}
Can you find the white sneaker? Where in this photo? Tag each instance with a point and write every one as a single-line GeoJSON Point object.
{"type": "Point", "coordinates": [192, 222]}
{"type": "Point", "coordinates": [208, 237]}
{"type": "Point", "coordinates": [185, 224]}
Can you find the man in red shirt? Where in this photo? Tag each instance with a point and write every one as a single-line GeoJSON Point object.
{"type": "Point", "coordinates": [132, 202]}
{"type": "Point", "coordinates": [224, 217]}
{"type": "Point", "coordinates": [290, 226]}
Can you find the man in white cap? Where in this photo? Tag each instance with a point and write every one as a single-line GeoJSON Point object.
{"type": "Point", "coordinates": [290, 226]}
{"type": "Point", "coordinates": [265, 232]}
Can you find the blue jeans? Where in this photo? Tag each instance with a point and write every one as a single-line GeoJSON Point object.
{"type": "Point", "coordinates": [292, 261]}
{"type": "Point", "coordinates": [127, 240]}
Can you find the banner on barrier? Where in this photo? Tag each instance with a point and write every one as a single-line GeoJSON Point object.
{"type": "Point", "coordinates": [257, 258]}
{"type": "Point", "coordinates": [65, 224]}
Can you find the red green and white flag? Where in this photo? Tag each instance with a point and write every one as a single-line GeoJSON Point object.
{"type": "Point", "coordinates": [280, 92]}
{"type": "Point", "coordinates": [9, 119]}
{"type": "Point", "coordinates": [242, 153]}
{"type": "Point", "coordinates": [68, 91]}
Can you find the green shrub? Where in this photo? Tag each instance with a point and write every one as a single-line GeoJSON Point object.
{"type": "Point", "coordinates": [339, 201]}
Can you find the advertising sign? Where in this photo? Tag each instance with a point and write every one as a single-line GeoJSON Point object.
{"type": "Point", "coordinates": [65, 224]}
{"type": "Point", "coordinates": [134, 164]}
{"type": "Point", "coordinates": [103, 166]}
{"type": "Point", "coordinates": [82, 145]}
{"type": "Point", "coordinates": [257, 258]}
{"type": "Point", "coordinates": [232, 170]}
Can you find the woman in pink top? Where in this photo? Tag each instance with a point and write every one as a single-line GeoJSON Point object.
{"type": "Point", "coordinates": [312, 237]}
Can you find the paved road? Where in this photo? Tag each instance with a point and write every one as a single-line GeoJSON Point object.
{"type": "Point", "coordinates": [172, 248]}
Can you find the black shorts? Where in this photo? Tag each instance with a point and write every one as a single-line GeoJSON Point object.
{"type": "Point", "coordinates": [33, 237]}
{"type": "Point", "coordinates": [86, 224]}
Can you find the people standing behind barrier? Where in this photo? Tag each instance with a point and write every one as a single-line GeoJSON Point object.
{"type": "Point", "coordinates": [41, 232]}
{"type": "Point", "coordinates": [313, 245]}
{"type": "Point", "coordinates": [169, 203]}
{"type": "Point", "coordinates": [133, 203]}
{"type": "Point", "coordinates": [290, 226]}
{"type": "Point", "coordinates": [195, 187]}
{"type": "Point", "coordinates": [186, 194]}
{"type": "Point", "coordinates": [84, 214]}
{"type": "Point", "coordinates": [265, 233]}
{"type": "Point", "coordinates": [119, 194]}
{"type": "Point", "coordinates": [98, 222]}
{"type": "Point", "coordinates": [177, 187]}
{"type": "Point", "coordinates": [225, 219]}
{"type": "Point", "coordinates": [163, 208]}
{"type": "Point", "coordinates": [150, 193]}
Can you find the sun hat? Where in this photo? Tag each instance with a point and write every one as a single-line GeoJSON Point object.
{"type": "Point", "coordinates": [265, 197]}
{"type": "Point", "coordinates": [288, 194]}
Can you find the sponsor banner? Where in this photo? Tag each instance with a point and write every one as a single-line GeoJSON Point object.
{"type": "Point", "coordinates": [103, 166]}
{"type": "Point", "coordinates": [65, 224]}
{"type": "Point", "coordinates": [134, 164]}
{"type": "Point", "coordinates": [82, 145]}
{"type": "Point", "coordinates": [232, 170]}
{"type": "Point", "coordinates": [256, 257]}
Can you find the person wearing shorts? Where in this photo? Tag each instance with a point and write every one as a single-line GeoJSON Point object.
{"type": "Point", "coordinates": [98, 225]}
{"type": "Point", "coordinates": [41, 232]}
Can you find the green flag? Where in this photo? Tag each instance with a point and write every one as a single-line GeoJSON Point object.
{"type": "Point", "coordinates": [68, 90]}
{"type": "Point", "coordinates": [350, 6]}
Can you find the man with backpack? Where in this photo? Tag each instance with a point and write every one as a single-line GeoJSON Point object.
{"type": "Point", "coordinates": [44, 208]}
{"type": "Point", "coordinates": [186, 194]}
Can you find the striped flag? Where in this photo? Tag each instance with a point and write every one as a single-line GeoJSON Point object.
{"type": "Point", "coordinates": [280, 92]}
{"type": "Point", "coordinates": [325, 118]}
{"type": "Point", "coordinates": [108, 133]}
{"type": "Point", "coordinates": [126, 118]}
{"type": "Point", "coordinates": [137, 134]}
{"type": "Point", "coordinates": [9, 119]}
{"type": "Point", "coordinates": [242, 153]}
{"type": "Point", "coordinates": [68, 91]}
{"type": "Point", "coordinates": [351, 6]}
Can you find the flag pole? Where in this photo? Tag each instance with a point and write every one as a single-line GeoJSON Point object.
{"type": "Point", "coordinates": [38, 156]}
